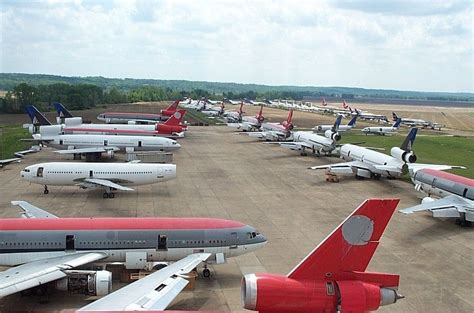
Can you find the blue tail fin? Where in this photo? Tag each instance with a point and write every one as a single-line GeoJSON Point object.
{"type": "Point", "coordinates": [394, 116]}
{"type": "Point", "coordinates": [36, 117]}
{"type": "Point", "coordinates": [337, 123]}
{"type": "Point", "coordinates": [62, 111]}
{"type": "Point", "coordinates": [352, 122]}
{"type": "Point", "coordinates": [407, 145]}
{"type": "Point", "coordinates": [397, 123]}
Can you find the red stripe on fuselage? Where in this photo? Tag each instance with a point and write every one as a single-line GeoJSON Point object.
{"type": "Point", "coordinates": [118, 131]}
{"type": "Point", "coordinates": [109, 114]}
{"type": "Point", "coordinates": [451, 177]}
{"type": "Point", "coordinates": [19, 224]}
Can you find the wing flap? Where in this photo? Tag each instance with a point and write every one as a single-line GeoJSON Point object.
{"type": "Point", "coordinates": [31, 211]}
{"type": "Point", "coordinates": [414, 167]}
{"type": "Point", "coordinates": [449, 206]}
{"type": "Point", "coordinates": [106, 183]}
{"type": "Point", "coordinates": [155, 291]}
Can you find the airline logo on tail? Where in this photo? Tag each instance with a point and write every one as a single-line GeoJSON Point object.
{"type": "Point", "coordinates": [352, 122]}
{"type": "Point", "coordinates": [36, 117]}
{"type": "Point", "coordinates": [407, 145]}
{"type": "Point", "coordinates": [397, 123]}
{"type": "Point", "coordinates": [394, 116]}
{"type": "Point", "coordinates": [176, 118]}
{"type": "Point", "coordinates": [62, 111]}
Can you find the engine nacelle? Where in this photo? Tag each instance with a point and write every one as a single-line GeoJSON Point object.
{"type": "Point", "coordinates": [277, 293]}
{"type": "Point", "coordinates": [287, 126]}
{"type": "Point", "coordinates": [73, 121]}
{"type": "Point", "coordinates": [359, 296]}
{"type": "Point", "coordinates": [91, 283]}
{"type": "Point", "coordinates": [402, 155]}
{"type": "Point", "coordinates": [50, 130]}
{"type": "Point", "coordinates": [427, 200]}
{"type": "Point", "coordinates": [110, 154]}
{"type": "Point", "coordinates": [332, 135]}
{"type": "Point", "coordinates": [131, 122]}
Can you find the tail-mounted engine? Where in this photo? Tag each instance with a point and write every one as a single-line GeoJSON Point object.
{"type": "Point", "coordinates": [332, 135]}
{"type": "Point", "coordinates": [91, 283]}
{"type": "Point", "coordinates": [288, 125]}
{"type": "Point", "coordinates": [402, 155]}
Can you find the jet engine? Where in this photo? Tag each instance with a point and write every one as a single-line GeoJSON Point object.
{"type": "Point", "coordinates": [278, 293]}
{"type": "Point", "coordinates": [91, 283]}
{"type": "Point", "coordinates": [287, 126]}
{"type": "Point", "coordinates": [110, 154]}
{"type": "Point", "coordinates": [332, 135]}
{"type": "Point", "coordinates": [427, 200]}
{"type": "Point", "coordinates": [405, 156]}
{"type": "Point", "coordinates": [73, 121]}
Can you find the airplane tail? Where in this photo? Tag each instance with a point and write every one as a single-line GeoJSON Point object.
{"type": "Point", "coordinates": [337, 123]}
{"type": "Point", "coordinates": [394, 116]}
{"type": "Point", "coordinates": [344, 104]}
{"type": "Point", "coordinates": [37, 118]}
{"type": "Point", "coordinates": [62, 111]}
{"type": "Point", "coordinates": [259, 116]}
{"type": "Point", "coordinates": [176, 118]}
{"type": "Point", "coordinates": [173, 106]}
{"type": "Point", "coordinates": [241, 110]}
{"type": "Point", "coordinates": [347, 251]}
{"type": "Point", "coordinates": [407, 144]}
{"type": "Point", "coordinates": [397, 123]}
{"type": "Point", "coordinates": [324, 103]}
{"type": "Point", "coordinates": [352, 122]}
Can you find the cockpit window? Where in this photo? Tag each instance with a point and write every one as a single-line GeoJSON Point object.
{"type": "Point", "coordinates": [252, 235]}
{"type": "Point", "coordinates": [26, 170]}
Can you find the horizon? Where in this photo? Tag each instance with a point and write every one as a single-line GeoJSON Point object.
{"type": "Point", "coordinates": [422, 46]}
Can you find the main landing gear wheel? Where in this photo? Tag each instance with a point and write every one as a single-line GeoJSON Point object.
{"type": "Point", "coordinates": [108, 195]}
{"type": "Point", "coordinates": [45, 191]}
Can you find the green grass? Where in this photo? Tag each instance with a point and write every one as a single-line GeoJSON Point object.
{"type": "Point", "coordinates": [428, 149]}
{"type": "Point", "coordinates": [10, 140]}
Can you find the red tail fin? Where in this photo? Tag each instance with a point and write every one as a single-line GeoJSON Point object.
{"type": "Point", "coordinates": [241, 108]}
{"type": "Point", "coordinates": [344, 104]}
{"type": "Point", "coordinates": [173, 106]}
{"type": "Point", "coordinates": [175, 118]}
{"type": "Point", "coordinates": [290, 116]}
{"type": "Point", "coordinates": [350, 247]}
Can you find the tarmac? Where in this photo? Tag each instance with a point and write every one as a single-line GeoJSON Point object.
{"type": "Point", "coordinates": [225, 175]}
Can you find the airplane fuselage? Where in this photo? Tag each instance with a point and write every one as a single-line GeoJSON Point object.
{"type": "Point", "coordinates": [153, 239]}
{"type": "Point", "coordinates": [124, 117]}
{"type": "Point", "coordinates": [380, 130]}
{"type": "Point", "coordinates": [443, 184]}
{"type": "Point", "coordinates": [320, 144]}
{"type": "Point", "coordinates": [73, 173]}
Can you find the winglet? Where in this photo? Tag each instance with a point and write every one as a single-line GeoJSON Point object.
{"type": "Point", "coordinates": [350, 247]}
{"type": "Point", "coordinates": [62, 111]}
{"type": "Point", "coordinates": [407, 144]}
{"type": "Point", "coordinates": [37, 118]}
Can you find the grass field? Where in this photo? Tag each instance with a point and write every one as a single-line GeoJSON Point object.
{"type": "Point", "coordinates": [10, 140]}
{"type": "Point", "coordinates": [428, 149]}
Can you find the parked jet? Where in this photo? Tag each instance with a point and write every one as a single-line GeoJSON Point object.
{"type": "Point", "coordinates": [314, 142]}
{"type": "Point", "coordinates": [333, 277]}
{"type": "Point", "coordinates": [249, 123]}
{"type": "Point", "coordinates": [383, 130]}
{"type": "Point", "coordinates": [366, 163]}
{"type": "Point", "coordinates": [411, 122]}
{"type": "Point", "coordinates": [234, 116]}
{"type": "Point", "coordinates": [342, 128]}
{"type": "Point", "coordinates": [368, 116]}
{"type": "Point", "coordinates": [171, 128]}
{"type": "Point", "coordinates": [275, 131]}
{"type": "Point", "coordinates": [143, 118]}
{"type": "Point", "coordinates": [44, 249]}
{"type": "Point", "coordinates": [5, 162]}
{"type": "Point", "coordinates": [110, 176]}
{"type": "Point", "coordinates": [455, 193]}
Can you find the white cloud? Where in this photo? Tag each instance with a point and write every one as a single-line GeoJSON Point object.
{"type": "Point", "coordinates": [395, 45]}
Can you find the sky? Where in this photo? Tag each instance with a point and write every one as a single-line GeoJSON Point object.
{"type": "Point", "coordinates": [405, 45]}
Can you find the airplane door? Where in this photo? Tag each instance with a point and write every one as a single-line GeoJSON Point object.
{"type": "Point", "coordinates": [40, 172]}
{"type": "Point", "coordinates": [70, 243]}
{"type": "Point", "coordinates": [61, 142]}
{"type": "Point", "coordinates": [91, 173]}
{"type": "Point", "coordinates": [139, 143]}
{"type": "Point", "coordinates": [234, 240]}
{"type": "Point", "coordinates": [106, 142]}
{"type": "Point", "coordinates": [162, 242]}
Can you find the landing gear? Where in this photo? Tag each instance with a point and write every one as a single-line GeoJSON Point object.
{"type": "Point", "coordinates": [377, 176]}
{"type": "Point", "coordinates": [77, 156]}
{"type": "Point", "coordinates": [358, 177]}
{"type": "Point", "coordinates": [463, 222]}
{"type": "Point", "coordinates": [303, 152]}
{"type": "Point", "coordinates": [106, 195]}
{"type": "Point", "coordinates": [206, 272]}
{"type": "Point", "coordinates": [45, 191]}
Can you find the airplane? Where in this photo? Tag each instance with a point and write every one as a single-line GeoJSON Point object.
{"type": "Point", "coordinates": [143, 118]}
{"type": "Point", "coordinates": [234, 116]}
{"type": "Point", "coordinates": [110, 176]}
{"type": "Point", "coordinates": [213, 111]}
{"type": "Point", "coordinates": [455, 193]}
{"type": "Point", "coordinates": [32, 149]}
{"type": "Point", "coordinates": [249, 123]}
{"type": "Point", "coordinates": [70, 254]}
{"type": "Point", "coordinates": [5, 162]}
{"type": "Point", "coordinates": [318, 144]}
{"type": "Point", "coordinates": [411, 122]}
{"type": "Point", "coordinates": [383, 130]}
{"type": "Point", "coordinates": [342, 128]}
{"type": "Point", "coordinates": [368, 116]}
{"type": "Point", "coordinates": [275, 131]}
{"type": "Point", "coordinates": [366, 163]}
{"type": "Point", "coordinates": [171, 128]}
{"type": "Point", "coordinates": [332, 277]}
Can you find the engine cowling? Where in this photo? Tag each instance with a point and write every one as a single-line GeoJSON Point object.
{"type": "Point", "coordinates": [73, 121]}
{"type": "Point", "coordinates": [288, 126]}
{"type": "Point", "coordinates": [402, 155]}
{"type": "Point", "coordinates": [277, 293]}
{"type": "Point", "coordinates": [92, 283]}
{"type": "Point", "coordinates": [362, 297]}
{"type": "Point", "coordinates": [332, 135]}
{"type": "Point", "coordinates": [427, 200]}
{"type": "Point", "coordinates": [110, 154]}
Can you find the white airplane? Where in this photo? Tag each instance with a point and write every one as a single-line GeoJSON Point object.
{"type": "Point", "coordinates": [92, 146]}
{"type": "Point", "coordinates": [383, 130]}
{"type": "Point", "coordinates": [234, 116]}
{"type": "Point", "coordinates": [111, 176]}
{"type": "Point", "coordinates": [321, 145]}
{"type": "Point", "coordinates": [411, 122]}
{"type": "Point", "coordinates": [22, 153]}
{"type": "Point", "coordinates": [366, 163]}
{"type": "Point", "coordinates": [249, 123]}
{"type": "Point", "coordinates": [275, 131]}
{"type": "Point", "coordinates": [368, 116]}
{"type": "Point", "coordinates": [42, 248]}
{"type": "Point", "coordinates": [214, 111]}
{"type": "Point", "coordinates": [5, 162]}
{"type": "Point", "coordinates": [342, 128]}
{"type": "Point", "coordinates": [455, 195]}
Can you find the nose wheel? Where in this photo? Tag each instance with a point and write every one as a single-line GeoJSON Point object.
{"type": "Point", "coordinates": [45, 191]}
{"type": "Point", "coordinates": [206, 272]}
{"type": "Point", "coordinates": [107, 195]}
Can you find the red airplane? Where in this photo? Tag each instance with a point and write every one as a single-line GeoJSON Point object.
{"type": "Point", "coordinates": [125, 117]}
{"type": "Point", "coordinates": [332, 278]}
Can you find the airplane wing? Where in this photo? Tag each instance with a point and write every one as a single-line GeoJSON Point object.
{"type": "Point", "coordinates": [388, 168]}
{"type": "Point", "coordinates": [33, 149]}
{"type": "Point", "coordinates": [341, 165]}
{"type": "Point", "coordinates": [31, 211]}
{"type": "Point", "coordinates": [256, 134]}
{"type": "Point", "coordinates": [295, 145]}
{"type": "Point", "coordinates": [88, 150]}
{"type": "Point", "coordinates": [153, 292]}
{"type": "Point", "coordinates": [8, 161]}
{"type": "Point", "coordinates": [449, 206]}
{"type": "Point", "coordinates": [39, 272]}
{"type": "Point", "coordinates": [102, 183]}
{"type": "Point", "coordinates": [414, 167]}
